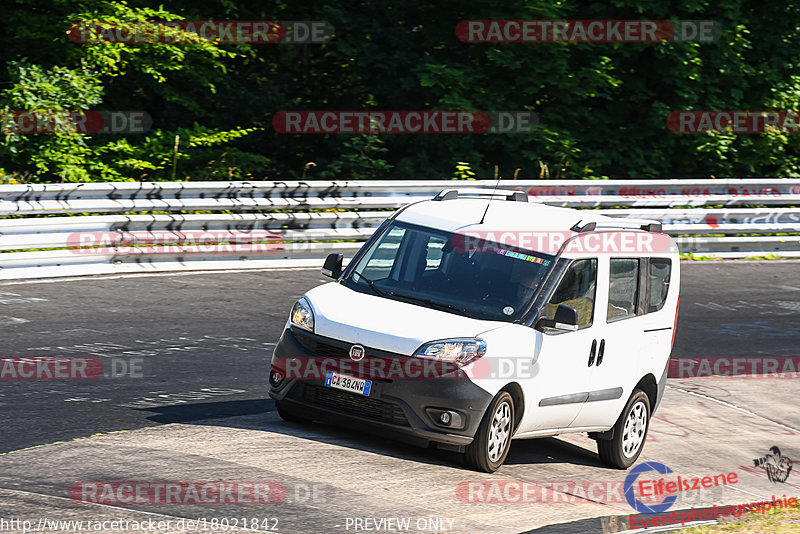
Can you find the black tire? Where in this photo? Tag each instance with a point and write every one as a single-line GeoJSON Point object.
{"type": "Point", "coordinates": [287, 415]}
{"type": "Point", "coordinates": [485, 454]}
{"type": "Point", "coordinates": [615, 451]}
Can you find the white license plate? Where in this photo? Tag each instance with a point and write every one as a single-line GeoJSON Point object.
{"type": "Point", "coordinates": [348, 383]}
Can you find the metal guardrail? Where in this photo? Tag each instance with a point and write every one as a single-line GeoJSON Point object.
{"type": "Point", "coordinates": [256, 196]}
{"type": "Point", "coordinates": [279, 224]}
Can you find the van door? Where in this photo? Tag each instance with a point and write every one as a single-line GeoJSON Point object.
{"type": "Point", "coordinates": [617, 366]}
{"type": "Point", "coordinates": [662, 281]}
{"type": "Point", "coordinates": [559, 384]}
{"type": "Point", "coordinates": [661, 312]}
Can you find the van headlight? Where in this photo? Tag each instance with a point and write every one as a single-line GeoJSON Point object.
{"type": "Point", "coordinates": [302, 315]}
{"type": "Point", "coordinates": [461, 351]}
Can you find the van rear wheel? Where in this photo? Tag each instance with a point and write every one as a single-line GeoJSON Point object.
{"type": "Point", "coordinates": [630, 432]}
{"type": "Point", "coordinates": [489, 449]}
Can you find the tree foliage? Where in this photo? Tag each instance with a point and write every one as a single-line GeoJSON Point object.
{"type": "Point", "coordinates": [602, 107]}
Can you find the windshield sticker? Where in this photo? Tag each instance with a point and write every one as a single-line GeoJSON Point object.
{"type": "Point", "coordinates": [520, 256]}
{"type": "Point", "coordinates": [508, 310]}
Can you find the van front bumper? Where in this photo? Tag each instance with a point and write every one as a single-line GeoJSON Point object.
{"type": "Point", "coordinates": [398, 406]}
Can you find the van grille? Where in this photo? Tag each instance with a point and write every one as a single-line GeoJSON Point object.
{"type": "Point", "coordinates": [377, 410]}
{"type": "Point", "coordinates": [327, 347]}
{"type": "Point", "coordinates": [320, 348]}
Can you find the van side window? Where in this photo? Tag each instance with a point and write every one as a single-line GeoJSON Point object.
{"type": "Point", "coordinates": [378, 265]}
{"type": "Point", "coordinates": [623, 288]}
{"type": "Point", "coordinates": [433, 252]}
{"type": "Point", "coordinates": [577, 289]}
{"type": "Point", "coordinates": [658, 277]}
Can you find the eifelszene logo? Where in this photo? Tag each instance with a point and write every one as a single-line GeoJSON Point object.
{"type": "Point", "coordinates": [630, 482]}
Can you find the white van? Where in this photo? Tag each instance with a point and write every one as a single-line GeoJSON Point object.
{"type": "Point", "coordinates": [473, 318]}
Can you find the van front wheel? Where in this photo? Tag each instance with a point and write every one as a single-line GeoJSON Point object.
{"type": "Point", "coordinates": [630, 432]}
{"type": "Point", "coordinates": [489, 449]}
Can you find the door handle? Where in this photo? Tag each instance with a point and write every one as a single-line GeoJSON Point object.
{"type": "Point", "coordinates": [592, 351]}
{"type": "Point", "coordinates": [601, 352]}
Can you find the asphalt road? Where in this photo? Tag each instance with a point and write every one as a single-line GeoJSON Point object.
{"type": "Point", "coordinates": [199, 345]}
{"type": "Point", "coordinates": [192, 339]}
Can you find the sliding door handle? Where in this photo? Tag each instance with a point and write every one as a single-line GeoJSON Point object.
{"type": "Point", "coordinates": [601, 352]}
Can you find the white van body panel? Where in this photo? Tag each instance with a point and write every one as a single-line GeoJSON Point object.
{"type": "Point", "coordinates": [390, 325]}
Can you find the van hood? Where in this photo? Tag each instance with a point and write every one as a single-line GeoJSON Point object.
{"type": "Point", "coordinates": [382, 323]}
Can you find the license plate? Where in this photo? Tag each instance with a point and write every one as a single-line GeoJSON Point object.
{"type": "Point", "coordinates": [348, 383]}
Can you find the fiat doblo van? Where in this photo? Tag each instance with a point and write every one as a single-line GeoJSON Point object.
{"type": "Point", "coordinates": [475, 318]}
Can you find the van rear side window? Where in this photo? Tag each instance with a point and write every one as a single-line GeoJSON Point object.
{"type": "Point", "coordinates": [658, 277]}
{"type": "Point", "coordinates": [623, 288]}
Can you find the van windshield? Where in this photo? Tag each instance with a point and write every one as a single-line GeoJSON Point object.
{"type": "Point", "coordinates": [445, 271]}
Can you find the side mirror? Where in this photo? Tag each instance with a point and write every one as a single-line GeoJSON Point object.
{"type": "Point", "coordinates": [566, 319]}
{"type": "Point", "coordinates": [333, 265]}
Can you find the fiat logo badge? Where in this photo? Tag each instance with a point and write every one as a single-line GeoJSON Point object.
{"type": "Point", "coordinates": [357, 353]}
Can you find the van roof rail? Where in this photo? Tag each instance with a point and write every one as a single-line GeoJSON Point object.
{"type": "Point", "coordinates": [633, 224]}
{"type": "Point", "coordinates": [588, 227]}
{"type": "Point", "coordinates": [452, 194]}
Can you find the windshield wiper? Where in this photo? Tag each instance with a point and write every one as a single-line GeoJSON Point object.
{"type": "Point", "coordinates": [371, 284]}
{"type": "Point", "coordinates": [430, 302]}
